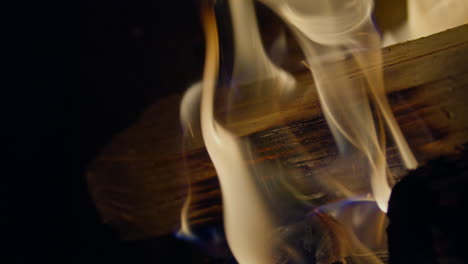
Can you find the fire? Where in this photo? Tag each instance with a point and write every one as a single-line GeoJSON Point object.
{"type": "Point", "coordinates": [337, 31]}
{"type": "Point", "coordinates": [261, 222]}
{"type": "Point", "coordinates": [189, 117]}
{"type": "Point", "coordinates": [248, 223]}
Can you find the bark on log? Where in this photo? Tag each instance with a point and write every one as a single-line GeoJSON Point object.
{"type": "Point", "coordinates": [139, 182]}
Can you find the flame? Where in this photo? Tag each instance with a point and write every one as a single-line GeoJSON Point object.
{"type": "Point", "coordinates": [189, 117]}
{"type": "Point", "coordinates": [248, 223]}
{"type": "Point", "coordinates": [329, 32]}
{"type": "Point", "coordinates": [251, 62]}
{"type": "Point", "coordinates": [333, 35]}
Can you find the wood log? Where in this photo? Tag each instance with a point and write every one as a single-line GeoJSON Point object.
{"type": "Point", "coordinates": [139, 181]}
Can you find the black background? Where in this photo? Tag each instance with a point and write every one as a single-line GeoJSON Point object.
{"type": "Point", "coordinates": [73, 75]}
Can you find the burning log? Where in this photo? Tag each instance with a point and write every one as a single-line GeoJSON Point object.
{"type": "Point", "coordinates": [139, 181]}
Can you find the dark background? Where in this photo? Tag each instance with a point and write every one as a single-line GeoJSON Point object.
{"type": "Point", "coordinates": [73, 75]}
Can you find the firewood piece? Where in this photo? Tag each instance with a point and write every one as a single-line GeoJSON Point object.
{"type": "Point", "coordinates": [139, 182]}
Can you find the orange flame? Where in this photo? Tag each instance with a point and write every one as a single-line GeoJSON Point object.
{"type": "Point", "coordinates": [333, 35]}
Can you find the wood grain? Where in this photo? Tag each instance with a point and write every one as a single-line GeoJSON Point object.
{"type": "Point", "coordinates": [140, 180]}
